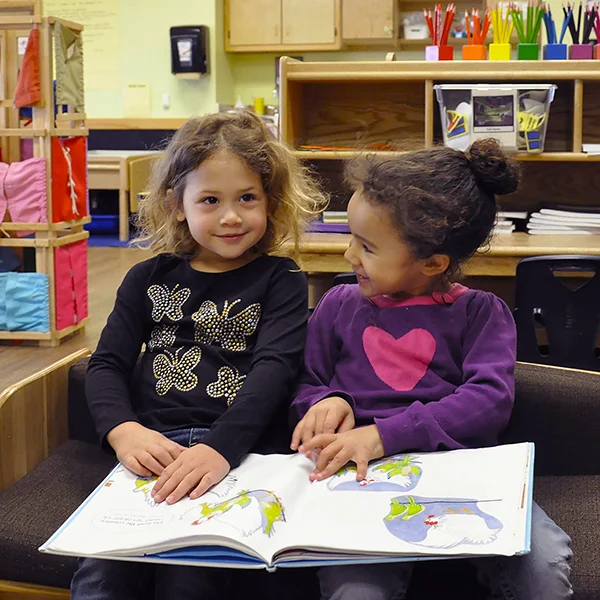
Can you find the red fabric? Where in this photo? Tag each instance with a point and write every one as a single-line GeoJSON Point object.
{"type": "Point", "coordinates": [71, 284]}
{"type": "Point", "coordinates": [62, 209]}
{"type": "Point", "coordinates": [29, 88]}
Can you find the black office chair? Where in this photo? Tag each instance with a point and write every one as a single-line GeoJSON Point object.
{"type": "Point", "coordinates": [557, 323]}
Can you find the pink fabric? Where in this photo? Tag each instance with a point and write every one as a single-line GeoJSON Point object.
{"type": "Point", "coordinates": [3, 198]}
{"type": "Point", "coordinates": [24, 189]}
{"type": "Point", "coordinates": [26, 149]}
{"type": "Point", "coordinates": [400, 363]}
{"type": "Point", "coordinates": [71, 285]}
{"type": "Point", "coordinates": [454, 293]}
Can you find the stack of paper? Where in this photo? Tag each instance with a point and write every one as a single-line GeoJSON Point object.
{"type": "Point", "coordinates": [504, 226]}
{"type": "Point", "coordinates": [554, 221]}
{"type": "Point", "coordinates": [509, 221]}
{"type": "Point", "coordinates": [591, 149]}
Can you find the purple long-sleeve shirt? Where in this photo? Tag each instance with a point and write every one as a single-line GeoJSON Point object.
{"type": "Point", "coordinates": [432, 372]}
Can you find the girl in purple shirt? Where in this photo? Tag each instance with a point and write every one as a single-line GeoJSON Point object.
{"type": "Point", "coordinates": [409, 360]}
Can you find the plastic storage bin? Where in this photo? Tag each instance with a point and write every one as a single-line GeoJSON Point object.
{"type": "Point", "coordinates": [415, 31]}
{"type": "Point", "coordinates": [516, 115]}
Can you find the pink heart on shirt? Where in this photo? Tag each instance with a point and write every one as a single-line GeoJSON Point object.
{"type": "Point", "coordinates": [400, 363]}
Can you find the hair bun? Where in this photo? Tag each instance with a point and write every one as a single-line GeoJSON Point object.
{"type": "Point", "coordinates": [494, 170]}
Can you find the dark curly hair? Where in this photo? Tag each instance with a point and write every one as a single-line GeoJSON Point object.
{"type": "Point", "coordinates": [442, 200]}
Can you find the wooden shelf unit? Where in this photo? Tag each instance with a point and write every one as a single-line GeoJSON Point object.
{"type": "Point", "coordinates": [324, 252]}
{"type": "Point", "coordinates": [356, 104]}
{"type": "Point", "coordinates": [520, 156]}
{"type": "Point", "coordinates": [45, 125]}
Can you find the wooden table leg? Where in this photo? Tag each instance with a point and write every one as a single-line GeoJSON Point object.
{"type": "Point", "coordinates": [123, 216]}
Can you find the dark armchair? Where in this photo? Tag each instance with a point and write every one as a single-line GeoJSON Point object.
{"type": "Point", "coordinates": [45, 476]}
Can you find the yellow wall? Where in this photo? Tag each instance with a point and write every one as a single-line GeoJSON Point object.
{"type": "Point", "coordinates": [143, 56]}
{"type": "Point", "coordinates": [254, 74]}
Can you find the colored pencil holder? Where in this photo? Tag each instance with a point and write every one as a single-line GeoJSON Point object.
{"type": "Point", "coordinates": [500, 51]}
{"type": "Point", "coordinates": [555, 52]}
{"type": "Point", "coordinates": [597, 51]}
{"type": "Point", "coordinates": [439, 52]}
{"type": "Point", "coordinates": [581, 51]}
{"type": "Point", "coordinates": [528, 51]}
{"type": "Point", "coordinates": [474, 52]}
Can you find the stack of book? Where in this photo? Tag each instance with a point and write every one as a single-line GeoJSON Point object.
{"type": "Point", "coordinates": [335, 216]}
{"type": "Point", "coordinates": [572, 220]}
{"type": "Point", "coordinates": [332, 221]}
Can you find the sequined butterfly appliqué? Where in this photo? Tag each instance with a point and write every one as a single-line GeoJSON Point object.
{"type": "Point", "coordinates": [228, 384]}
{"type": "Point", "coordinates": [229, 331]}
{"type": "Point", "coordinates": [173, 370]}
{"type": "Point", "coordinates": [162, 336]}
{"type": "Point", "coordinates": [167, 302]}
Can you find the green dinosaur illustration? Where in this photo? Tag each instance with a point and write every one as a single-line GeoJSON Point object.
{"type": "Point", "coordinates": [404, 467]}
{"type": "Point", "coordinates": [345, 470]}
{"type": "Point", "coordinates": [208, 511]}
{"type": "Point", "coordinates": [272, 511]}
{"type": "Point", "coordinates": [143, 482]}
{"type": "Point", "coordinates": [269, 505]}
{"type": "Point", "coordinates": [404, 510]}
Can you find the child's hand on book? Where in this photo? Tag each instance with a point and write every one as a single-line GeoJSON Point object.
{"type": "Point", "coordinates": [195, 471]}
{"type": "Point", "coordinates": [330, 415]}
{"type": "Point", "coordinates": [360, 446]}
{"type": "Point", "coordinates": [143, 451]}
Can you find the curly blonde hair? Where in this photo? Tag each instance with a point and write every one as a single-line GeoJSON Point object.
{"type": "Point", "coordinates": [293, 196]}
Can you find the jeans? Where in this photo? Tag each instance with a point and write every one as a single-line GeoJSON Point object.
{"type": "Point", "coordinates": [543, 574]}
{"type": "Point", "coordinates": [97, 579]}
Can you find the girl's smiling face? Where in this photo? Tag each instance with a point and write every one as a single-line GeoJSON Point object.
{"type": "Point", "coordinates": [225, 206]}
{"type": "Point", "coordinates": [384, 264]}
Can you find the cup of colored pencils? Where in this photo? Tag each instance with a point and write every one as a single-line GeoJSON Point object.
{"type": "Point", "coordinates": [476, 34]}
{"type": "Point", "coordinates": [439, 32]}
{"type": "Point", "coordinates": [581, 48]}
{"type": "Point", "coordinates": [554, 49]}
{"type": "Point", "coordinates": [502, 28]}
{"type": "Point", "coordinates": [528, 29]}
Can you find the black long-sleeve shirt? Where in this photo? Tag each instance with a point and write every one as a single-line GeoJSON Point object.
{"type": "Point", "coordinates": [222, 350]}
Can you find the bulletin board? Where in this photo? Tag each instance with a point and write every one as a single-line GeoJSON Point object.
{"type": "Point", "coordinates": [100, 38]}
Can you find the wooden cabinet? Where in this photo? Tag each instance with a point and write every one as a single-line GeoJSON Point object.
{"type": "Point", "coordinates": [282, 25]}
{"type": "Point", "coordinates": [332, 112]}
{"type": "Point", "coordinates": [286, 26]}
{"type": "Point", "coordinates": [308, 22]}
{"type": "Point", "coordinates": [254, 22]}
{"type": "Point", "coordinates": [365, 21]}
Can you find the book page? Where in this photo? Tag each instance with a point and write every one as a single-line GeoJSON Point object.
{"type": "Point", "coordinates": [443, 503]}
{"type": "Point", "coordinates": [246, 511]}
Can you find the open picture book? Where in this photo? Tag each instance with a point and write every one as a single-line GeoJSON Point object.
{"type": "Point", "coordinates": [267, 514]}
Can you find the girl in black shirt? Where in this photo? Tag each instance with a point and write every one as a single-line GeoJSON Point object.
{"type": "Point", "coordinates": [222, 320]}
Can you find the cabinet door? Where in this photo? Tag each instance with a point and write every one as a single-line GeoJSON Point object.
{"type": "Point", "coordinates": [307, 22]}
{"type": "Point", "coordinates": [254, 22]}
{"type": "Point", "coordinates": [368, 19]}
